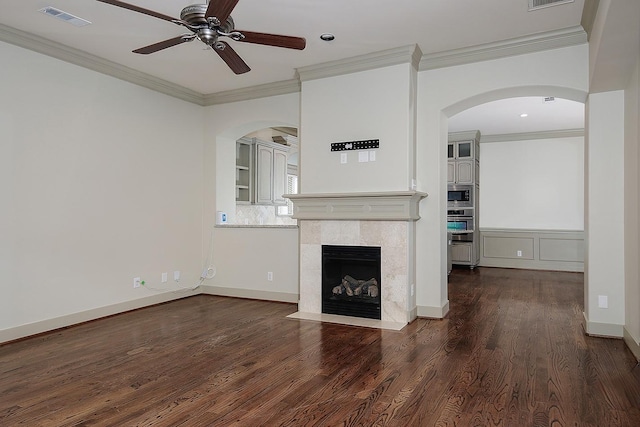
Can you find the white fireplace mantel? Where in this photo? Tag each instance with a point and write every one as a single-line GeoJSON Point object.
{"type": "Point", "coordinates": [380, 206]}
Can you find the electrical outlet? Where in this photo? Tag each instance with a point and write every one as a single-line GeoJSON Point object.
{"type": "Point", "coordinates": [603, 301]}
{"type": "Point", "coordinates": [413, 289]}
{"type": "Point", "coordinates": [519, 253]}
{"type": "Point", "coordinates": [136, 282]}
{"type": "Point", "coordinates": [270, 276]}
{"type": "Point", "coordinates": [176, 275]}
{"type": "Point", "coordinates": [343, 158]}
{"type": "Point", "coordinates": [164, 278]}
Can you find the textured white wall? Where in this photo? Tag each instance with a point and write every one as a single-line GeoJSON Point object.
{"type": "Point", "coordinates": [533, 184]}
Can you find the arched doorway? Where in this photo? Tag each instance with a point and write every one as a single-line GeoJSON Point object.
{"type": "Point", "coordinates": [529, 192]}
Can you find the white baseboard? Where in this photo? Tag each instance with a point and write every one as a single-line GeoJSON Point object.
{"type": "Point", "coordinates": [250, 294]}
{"type": "Point", "coordinates": [433, 312]}
{"type": "Point", "coordinates": [413, 314]}
{"type": "Point", "coordinates": [632, 343]}
{"type": "Point", "coordinates": [608, 330]}
{"type": "Point", "coordinates": [48, 325]}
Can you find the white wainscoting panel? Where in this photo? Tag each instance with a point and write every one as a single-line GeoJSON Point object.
{"type": "Point", "coordinates": [558, 250]}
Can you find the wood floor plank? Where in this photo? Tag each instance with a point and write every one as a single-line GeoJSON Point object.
{"type": "Point", "coordinates": [511, 352]}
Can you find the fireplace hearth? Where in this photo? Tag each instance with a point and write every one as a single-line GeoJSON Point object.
{"type": "Point", "coordinates": [351, 281]}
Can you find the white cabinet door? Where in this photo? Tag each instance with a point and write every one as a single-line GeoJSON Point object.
{"type": "Point", "coordinates": [451, 172]}
{"type": "Point", "coordinates": [461, 252]}
{"type": "Point", "coordinates": [279, 177]}
{"type": "Point", "coordinates": [464, 172]}
{"type": "Point", "coordinates": [264, 175]}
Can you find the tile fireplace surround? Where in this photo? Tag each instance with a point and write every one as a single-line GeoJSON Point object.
{"type": "Point", "coordinates": [385, 219]}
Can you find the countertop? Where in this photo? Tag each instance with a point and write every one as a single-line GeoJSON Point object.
{"type": "Point", "coordinates": [254, 226]}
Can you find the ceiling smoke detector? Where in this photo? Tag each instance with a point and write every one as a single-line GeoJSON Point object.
{"type": "Point", "coordinates": [541, 4]}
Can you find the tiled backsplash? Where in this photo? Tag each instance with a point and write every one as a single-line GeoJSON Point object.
{"type": "Point", "coordinates": [260, 215]}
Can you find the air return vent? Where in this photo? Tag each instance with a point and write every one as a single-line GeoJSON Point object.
{"type": "Point", "coordinates": [64, 16]}
{"type": "Point", "coordinates": [541, 4]}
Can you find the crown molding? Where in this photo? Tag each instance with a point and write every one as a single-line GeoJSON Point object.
{"type": "Point", "coordinates": [402, 55]}
{"type": "Point", "coordinates": [517, 46]}
{"type": "Point", "coordinates": [407, 54]}
{"type": "Point", "coordinates": [589, 15]}
{"type": "Point", "coordinates": [254, 92]}
{"type": "Point", "coordinates": [524, 136]}
{"type": "Point", "coordinates": [464, 135]}
{"type": "Point", "coordinates": [83, 59]}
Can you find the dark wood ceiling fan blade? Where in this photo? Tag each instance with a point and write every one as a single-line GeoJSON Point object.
{"type": "Point", "coordinates": [277, 40]}
{"type": "Point", "coordinates": [161, 45]}
{"type": "Point", "coordinates": [138, 9]}
{"type": "Point", "coordinates": [221, 9]}
{"type": "Point", "coordinates": [232, 59]}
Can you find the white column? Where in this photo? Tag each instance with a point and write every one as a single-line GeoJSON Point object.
{"type": "Point", "coordinates": [604, 214]}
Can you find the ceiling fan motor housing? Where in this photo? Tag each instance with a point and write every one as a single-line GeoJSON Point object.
{"type": "Point", "coordinates": [194, 14]}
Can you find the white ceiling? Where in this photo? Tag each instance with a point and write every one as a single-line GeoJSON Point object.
{"type": "Point", "coordinates": [503, 116]}
{"type": "Point", "coordinates": [360, 27]}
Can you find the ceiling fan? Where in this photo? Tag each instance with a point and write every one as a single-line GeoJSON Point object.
{"type": "Point", "coordinates": [208, 23]}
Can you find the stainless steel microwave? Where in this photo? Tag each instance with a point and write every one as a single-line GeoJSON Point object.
{"type": "Point", "coordinates": [460, 196]}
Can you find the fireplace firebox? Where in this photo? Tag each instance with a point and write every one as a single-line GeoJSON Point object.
{"type": "Point", "coordinates": [351, 284]}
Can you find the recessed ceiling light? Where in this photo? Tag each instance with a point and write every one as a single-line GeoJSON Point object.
{"type": "Point", "coordinates": [523, 115]}
{"type": "Point", "coordinates": [327, 37]}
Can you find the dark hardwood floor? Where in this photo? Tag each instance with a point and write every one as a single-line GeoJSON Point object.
{"type": "Point", "coordinates": [511, 352]}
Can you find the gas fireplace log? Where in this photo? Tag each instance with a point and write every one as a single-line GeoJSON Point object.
{"type": "Point", "coordinates": [356, 287]}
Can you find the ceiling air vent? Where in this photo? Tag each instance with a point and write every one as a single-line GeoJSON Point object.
{"type": "Point", "coordinates": [64, 16]}
{"type": "Point", "coordinates": [541, 4]}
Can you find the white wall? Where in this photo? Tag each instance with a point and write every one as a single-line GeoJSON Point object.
{"type": "Point", "coordinates": [374, 104]}
{"type": "Point", "coordinates": [100, 181]}
{"type": "Point", "coordinates": [632, 208]}
{"type": "Point", "coordinates": [532, 184]}
{"type": "Point", "coordinates": [445, 92]}
{"type": "Point", "coordinates": [224, 125]}
{"type": "Point", "coordinates": [605, 206]}
{"type": "Point", "coordinates": [244, 256]}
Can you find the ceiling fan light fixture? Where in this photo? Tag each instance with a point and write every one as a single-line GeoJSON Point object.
{"type": "Point", "coordinates": [327, 37]}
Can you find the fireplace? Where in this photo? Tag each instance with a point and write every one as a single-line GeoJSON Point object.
{"type": "Point", "coordinates": [351, 281]}
{"type": "Point", "coordinates": [357, 223]}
